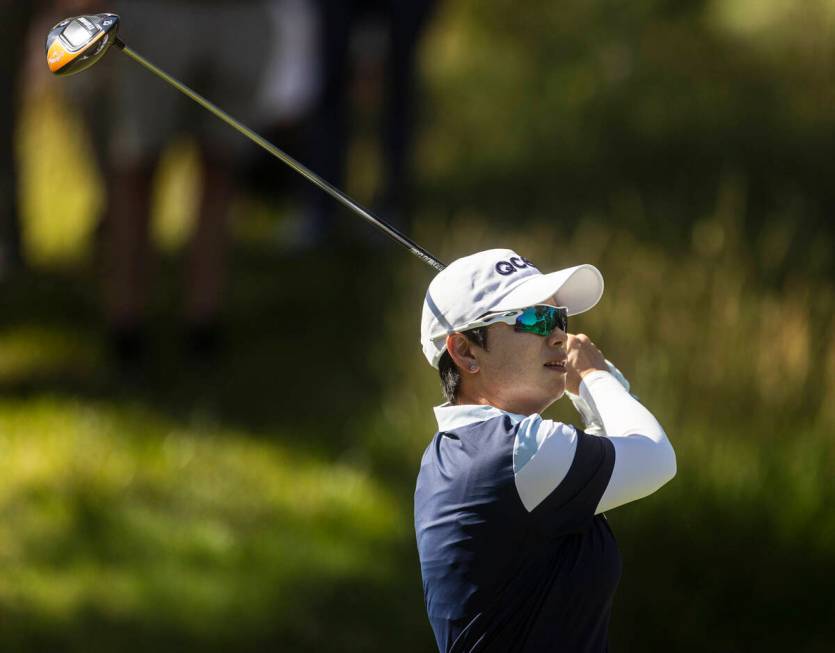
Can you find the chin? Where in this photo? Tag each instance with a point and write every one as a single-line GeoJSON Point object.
{"type": "Point", "coordinates": [553, 396]}
{"type": "Point", "coordinates": [557, 388]}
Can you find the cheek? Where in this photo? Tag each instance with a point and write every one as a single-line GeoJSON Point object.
{"type": "Point", "coordinates": [516, 358]}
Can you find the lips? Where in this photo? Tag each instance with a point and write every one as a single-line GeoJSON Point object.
{"type": "Point", "coordinates": [558, 365]}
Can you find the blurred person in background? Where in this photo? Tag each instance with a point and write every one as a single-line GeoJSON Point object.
{"type": "Point", "coordinates": [218, 49]}
{"type": "Point", "coordinates": [288, 92]}
{"type": "Point", "coordinates": [389, 30]}
{"type": "Point", "coordinates": [515, 551]}
{"type": "Point", "coordinates": [15, 17]}
{"type": "Point", "coordinates": [22, 25]}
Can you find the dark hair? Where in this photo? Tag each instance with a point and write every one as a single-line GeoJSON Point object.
{"type": "Point", "coordinates": [448, 370]}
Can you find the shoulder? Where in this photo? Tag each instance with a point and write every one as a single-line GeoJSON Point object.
{"type": "Point", "coordinates": [468, 461]}
{"type": "Point", "coordinates": [543, 454]}
{"type": "Point", "coordinates": [468, 443]}
{"type": "Point", "coordinates": [534, 433]}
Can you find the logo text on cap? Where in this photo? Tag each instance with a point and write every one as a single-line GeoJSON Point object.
{"type": "Point", "coordinates": [512, 264]}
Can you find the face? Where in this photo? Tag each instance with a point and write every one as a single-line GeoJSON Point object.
{"type": "Point", "coordinates": [518, 372]}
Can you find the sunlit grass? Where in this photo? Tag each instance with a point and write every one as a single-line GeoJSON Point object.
{"type": "Point", "coordinates": [114, 509]}
{"type": "Point", "coordinates": [31, 350]}
{"type": "Point", "coordinates": [780, 20]}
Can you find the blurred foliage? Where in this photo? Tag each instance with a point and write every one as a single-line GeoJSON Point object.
{"type": "Point", "coordinates": [264, 502]}
{"type": "Point", "coordinates": [184, 532]}
{"type": "Point", "coordinates": [636, 111]}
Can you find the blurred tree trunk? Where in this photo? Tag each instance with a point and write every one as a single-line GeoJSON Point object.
{"type": "Point", "coordinates": [15, 17]}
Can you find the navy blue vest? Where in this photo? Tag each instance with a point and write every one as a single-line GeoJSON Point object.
{"type": "Point", "coordinates": [498, 578]}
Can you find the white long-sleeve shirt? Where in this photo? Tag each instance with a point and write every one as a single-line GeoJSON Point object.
{"type": "Point", "coordinates": [544, 449]}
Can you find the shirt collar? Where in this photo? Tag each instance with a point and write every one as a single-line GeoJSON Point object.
{"type": "Point", "coordinates": [452, 416]}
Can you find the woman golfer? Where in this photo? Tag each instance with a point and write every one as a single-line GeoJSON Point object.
{"type": "Point", "coordinates": [515, 552]}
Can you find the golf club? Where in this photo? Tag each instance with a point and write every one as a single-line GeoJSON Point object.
{"type": "Point", "coordinates": [77, 43]}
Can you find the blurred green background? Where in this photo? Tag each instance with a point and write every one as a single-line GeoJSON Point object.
{"type": "Point", "coordinates": [264, 502]}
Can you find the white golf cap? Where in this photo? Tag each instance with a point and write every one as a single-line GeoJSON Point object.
{"type": "Point", "coordinates": [498, 280]}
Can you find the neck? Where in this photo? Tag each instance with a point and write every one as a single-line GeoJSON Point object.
{"type": "Point", "coordinates": [476, 396]}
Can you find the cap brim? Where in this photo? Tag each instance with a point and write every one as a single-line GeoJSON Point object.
{"type": "Point", "coordinates": [578, 289]}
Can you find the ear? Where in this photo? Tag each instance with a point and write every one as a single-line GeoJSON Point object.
{"type": "Point", "coordinates": [463, 352]}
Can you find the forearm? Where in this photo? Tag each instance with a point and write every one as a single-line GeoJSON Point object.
{"type": "Point", "coordinates": [622, 415]}
{"type": "Point", "coordinates": [644, 457]}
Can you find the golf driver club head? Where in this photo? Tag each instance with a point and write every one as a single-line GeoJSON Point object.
{"type": "Point", "coordinates": [77, 43]}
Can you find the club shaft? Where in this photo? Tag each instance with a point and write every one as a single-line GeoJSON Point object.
{"type": "Point", "coordinates": [311, 176]}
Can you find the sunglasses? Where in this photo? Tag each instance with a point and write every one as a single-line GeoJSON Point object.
{"type": "Point", "coordinates": [540, 319]}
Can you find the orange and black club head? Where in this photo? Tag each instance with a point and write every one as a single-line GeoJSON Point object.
{"type": "Point", "coordinates": [77, 43]}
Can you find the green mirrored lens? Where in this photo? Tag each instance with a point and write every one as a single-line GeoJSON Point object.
{"type": "Point", "coordinates": [532, 321]}
{"type": "Point", "coordinates": [542, 320]}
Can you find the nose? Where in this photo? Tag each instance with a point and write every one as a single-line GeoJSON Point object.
{"type": "Point", "coordinates": [557, 338]}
